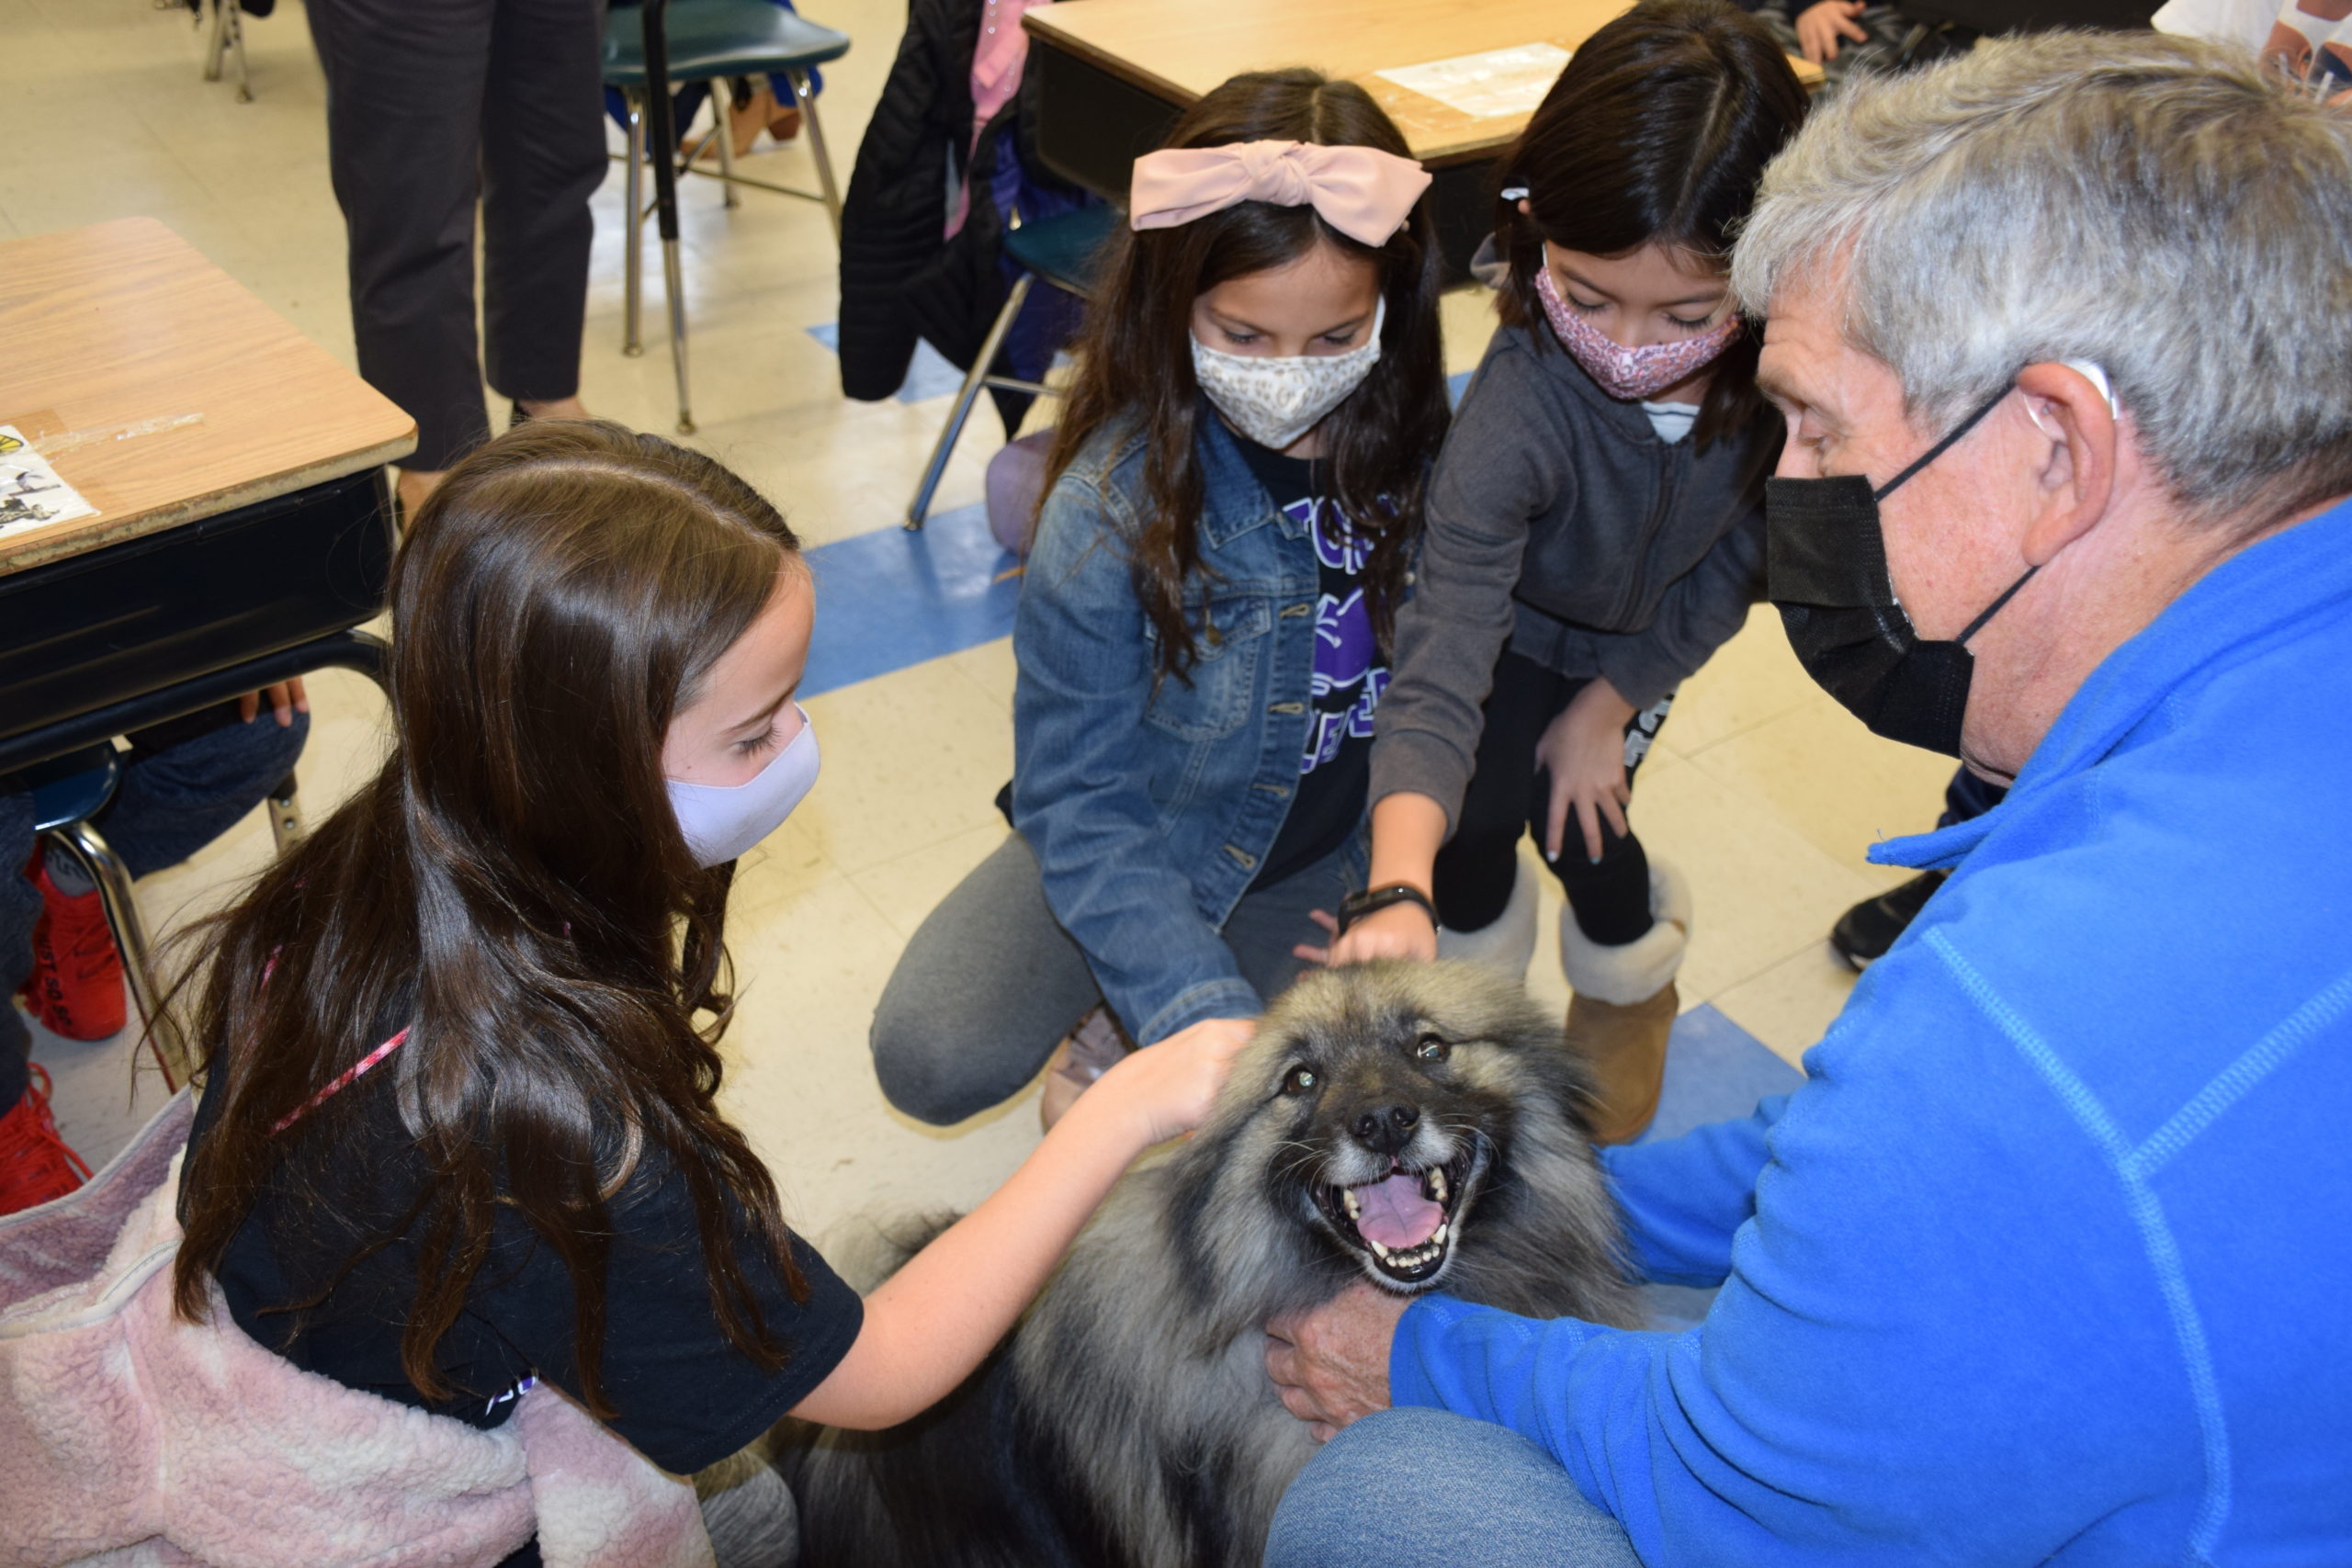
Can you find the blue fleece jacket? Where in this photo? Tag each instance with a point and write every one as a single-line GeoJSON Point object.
{"type": "Point", "coordinates": [2050, 1258]}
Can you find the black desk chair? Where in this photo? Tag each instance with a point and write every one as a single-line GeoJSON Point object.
{"type": "Point", "coordinates": [1064, 251]}
{"type": "Point", "coordinates": [705, 40]}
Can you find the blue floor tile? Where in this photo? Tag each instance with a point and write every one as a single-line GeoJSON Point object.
{"type": "Point", "coordinates": [890, 598]}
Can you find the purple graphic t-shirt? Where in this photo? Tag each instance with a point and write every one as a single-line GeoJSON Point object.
{"type": "Point", "coordinates": [1348, 676]}
{"type": "Point", "coordinates": [1335, 766]}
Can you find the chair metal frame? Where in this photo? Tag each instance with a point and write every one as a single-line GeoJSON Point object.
{"type": "Point", "coordinates": [356, 650]}
{"type": "Point", "coordinates": [975, 379]}
{"type": "Point", "coordinates": [229, 38]}
{"type": "Point", "coordinates": [672, 163]}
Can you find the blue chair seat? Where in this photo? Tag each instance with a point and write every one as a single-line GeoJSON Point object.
{"type": "Point", "coordinates": [73, 788]}
{"type": "Point", "coordinates": [718, 38]}
{"type": "Point", "coordinates": [1062, 249]}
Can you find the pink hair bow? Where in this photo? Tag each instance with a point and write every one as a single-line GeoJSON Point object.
{"type": "Point", "coordinates": [1363, 192]}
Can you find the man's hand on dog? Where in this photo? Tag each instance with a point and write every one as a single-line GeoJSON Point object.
{"type": "Point", "coordinates": [1331, 1365]}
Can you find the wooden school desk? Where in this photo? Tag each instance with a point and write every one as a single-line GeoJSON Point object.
{"type": "Point", "coordinates": [1113, 75]}
{"type": "Point", "coordinates": [243, 526]}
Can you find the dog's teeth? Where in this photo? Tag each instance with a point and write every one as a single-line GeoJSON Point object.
{"type": "Point", "coordinates": [1378, 1250]}
{"type": "Point", "coordinates": [1438, 1240]}
{"type": "Point", "coordinates": [1437, 1185]}
{"type": "Point", "coordinates": [1347, 1197]}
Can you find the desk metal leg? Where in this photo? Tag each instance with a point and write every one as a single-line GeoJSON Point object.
{"type": "Point", "coordinates": [106, 869]}
{"type": "Point", "coordinates": [633, 261]}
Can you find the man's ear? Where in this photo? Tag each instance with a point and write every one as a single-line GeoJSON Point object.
{"type": "Point", "coordinates": [2077, 477]}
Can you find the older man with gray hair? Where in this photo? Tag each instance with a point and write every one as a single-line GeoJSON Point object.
{"type": "Point", "coordinates": [2049, 1259]}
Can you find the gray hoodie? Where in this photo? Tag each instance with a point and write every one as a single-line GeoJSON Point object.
{"type": "Point", "coordinates": [1559, 521]}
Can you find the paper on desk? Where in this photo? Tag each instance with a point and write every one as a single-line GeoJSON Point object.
{"type": "Point", "coordinates": [30, 491]}
{"type": "Point", "coordinates": [1486, 86]}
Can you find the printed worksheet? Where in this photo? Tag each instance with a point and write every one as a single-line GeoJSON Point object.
{"type": "Point", "coordinates": [1486, 86]}
{"type": "Point", "coordinates": [30, 491]}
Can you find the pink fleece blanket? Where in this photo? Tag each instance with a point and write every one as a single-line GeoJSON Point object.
{"type": "Point", "coordinates": [130, 1437]}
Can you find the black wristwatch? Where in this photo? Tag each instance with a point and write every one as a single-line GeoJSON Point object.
{"type": "Point", "coordinates": [1356, 906]}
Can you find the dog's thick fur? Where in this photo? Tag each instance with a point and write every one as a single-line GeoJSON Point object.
{"type": "Point", "coordinates": [1128, 1421]}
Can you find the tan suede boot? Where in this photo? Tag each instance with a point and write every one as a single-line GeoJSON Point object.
{"type": "Point", "coordinates": [1625, 1007]}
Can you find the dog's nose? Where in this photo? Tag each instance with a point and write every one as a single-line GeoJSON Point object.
{"type": "Point", "coordinates": [1385, 1129]}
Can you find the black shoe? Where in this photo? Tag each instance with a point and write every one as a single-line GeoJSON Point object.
{"type": "Point", "coordinates": [1864, 932]}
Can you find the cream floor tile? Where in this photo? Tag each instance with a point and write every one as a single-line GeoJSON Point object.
{"type": "Point", "coordinates": [912, 758]}
{"type": "Point", "coordinates": [991, 666]}
{"type": "Point", "coordinates": [1836, 782]}
{"type": "Point", "coordinates": [1752, 679]}
{"type": "Point", "coordinates": [1467, 316]}
{"type": "Point", "coordinates": [907, 889]}
{"type": "Point", "coordinates": [1762, 891]}
{"type": "Point", "coordinates": [1790, 1006]}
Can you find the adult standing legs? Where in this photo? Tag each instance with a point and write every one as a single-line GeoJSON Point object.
{"type": "Point", "coordinates": [409, 136]}
{"type": "Point", "coordinates": [404, 97]}
{"type": "Point", "coordinates": [542, 158]}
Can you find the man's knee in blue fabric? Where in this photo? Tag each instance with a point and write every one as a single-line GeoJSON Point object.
{"type": "Point", "coordinates": [1415, 1486]}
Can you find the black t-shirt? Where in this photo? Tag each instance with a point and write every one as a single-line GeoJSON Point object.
{"type": "Point", "coordinates": [684, 1396]}
{"type": "Point", "coordinates": [1335, 773]}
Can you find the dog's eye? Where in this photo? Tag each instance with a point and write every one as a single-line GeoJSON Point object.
{"type": "Point", "coordinates": [1300, 1080]}
{"type": "Point", "coordinates": [1432, 1048]}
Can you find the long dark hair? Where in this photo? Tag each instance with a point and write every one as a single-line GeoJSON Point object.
{"type": "Point", "coordinates": [512, 888]}
{"type": "Point", "coordinates": [1656, 133]}
{"type": "Point", "coordinates": [1136, 364]}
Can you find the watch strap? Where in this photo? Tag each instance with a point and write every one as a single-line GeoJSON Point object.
{"type": "Point", "coordinates": [1356, 906]}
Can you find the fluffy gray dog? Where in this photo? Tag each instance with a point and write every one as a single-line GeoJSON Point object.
{"type": "Point", "coordinates": [1416, 1125]}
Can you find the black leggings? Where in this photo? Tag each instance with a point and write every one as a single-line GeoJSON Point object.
{"type": "Point", "coordinates": [1507, 796]}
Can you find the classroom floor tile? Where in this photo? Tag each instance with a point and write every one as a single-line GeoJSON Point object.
{"type": "Point", "coordinates": [1761, 791]}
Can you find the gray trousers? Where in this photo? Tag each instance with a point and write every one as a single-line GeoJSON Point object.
{"type": "Point", "coordinates": [991, 982]}
{"type": "Point", "coordinates": [431, 104]}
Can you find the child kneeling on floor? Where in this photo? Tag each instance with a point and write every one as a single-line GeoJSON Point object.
{"type": "Point", "coordinates": [1233, 494]}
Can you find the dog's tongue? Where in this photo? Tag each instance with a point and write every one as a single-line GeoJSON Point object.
{"type": "Point", "coordinates": [1395, 1212]}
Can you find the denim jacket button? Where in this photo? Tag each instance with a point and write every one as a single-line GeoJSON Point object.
{"type": "Point", "coordinates": [1291, 611]}
{"type": "Point", "coordinates": [1247, 861]}
{"type": "Point", "coordinates": [1287, 707]}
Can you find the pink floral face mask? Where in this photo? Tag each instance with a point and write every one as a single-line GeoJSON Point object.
{"type": "Point", "coordinates": [1629, 373]}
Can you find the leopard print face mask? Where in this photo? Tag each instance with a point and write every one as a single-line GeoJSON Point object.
{"type": "Point", "coordinates": [1274, 401]}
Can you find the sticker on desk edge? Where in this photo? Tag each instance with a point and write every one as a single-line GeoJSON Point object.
{"type": "Point", "coordinates": [30, 493]}
{"type": "Point", "coordinates": [1486, 86]}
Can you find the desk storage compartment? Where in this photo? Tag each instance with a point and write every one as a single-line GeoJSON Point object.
{"type": "Point", "coordinates": [93, 629]}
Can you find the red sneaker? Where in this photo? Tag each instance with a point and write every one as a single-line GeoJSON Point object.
{"type": "Point", "coordinates": [76, 985]}
{"type": "Point", "coordinates": [36, 1165]}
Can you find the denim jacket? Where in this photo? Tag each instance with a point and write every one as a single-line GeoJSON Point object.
{"type": "Point", "coordinates": [1151, 803]}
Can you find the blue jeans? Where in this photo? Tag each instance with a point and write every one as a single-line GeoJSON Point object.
{"type": "Point", "coordinates": [184, 785]}
{"type": "Point", "coordinates": [1418, 1488]}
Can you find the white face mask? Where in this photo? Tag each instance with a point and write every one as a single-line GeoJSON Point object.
{"type": "Point", "coordinates": [1275, 401]}
{"type": "Point", "coordinates": [721, 821]}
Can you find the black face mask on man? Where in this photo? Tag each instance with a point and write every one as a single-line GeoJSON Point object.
{"type": "Point", "coordinates": [1826, 572]}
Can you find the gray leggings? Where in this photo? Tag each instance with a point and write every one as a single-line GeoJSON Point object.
{"type": "Point", "coordinates": [991, 982]}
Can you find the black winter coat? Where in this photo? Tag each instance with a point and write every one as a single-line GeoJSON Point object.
{"type": "Point", "coordinates": [900, 279]}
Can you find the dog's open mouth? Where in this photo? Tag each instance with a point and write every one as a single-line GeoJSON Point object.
{"type": "Point", "coordinates": [1403, 1221]}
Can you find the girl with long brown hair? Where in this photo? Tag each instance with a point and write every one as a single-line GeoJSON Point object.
{"type": "Point", "coordinates": [459, 1127]}
{"type": "Point", "coordinates": [1596, 532]}
{"type": "Point", "coordinates": [1232, 497]}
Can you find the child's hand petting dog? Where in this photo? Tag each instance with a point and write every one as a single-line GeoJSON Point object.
{"type": "Point", "coordinates": [1169, 1088]}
